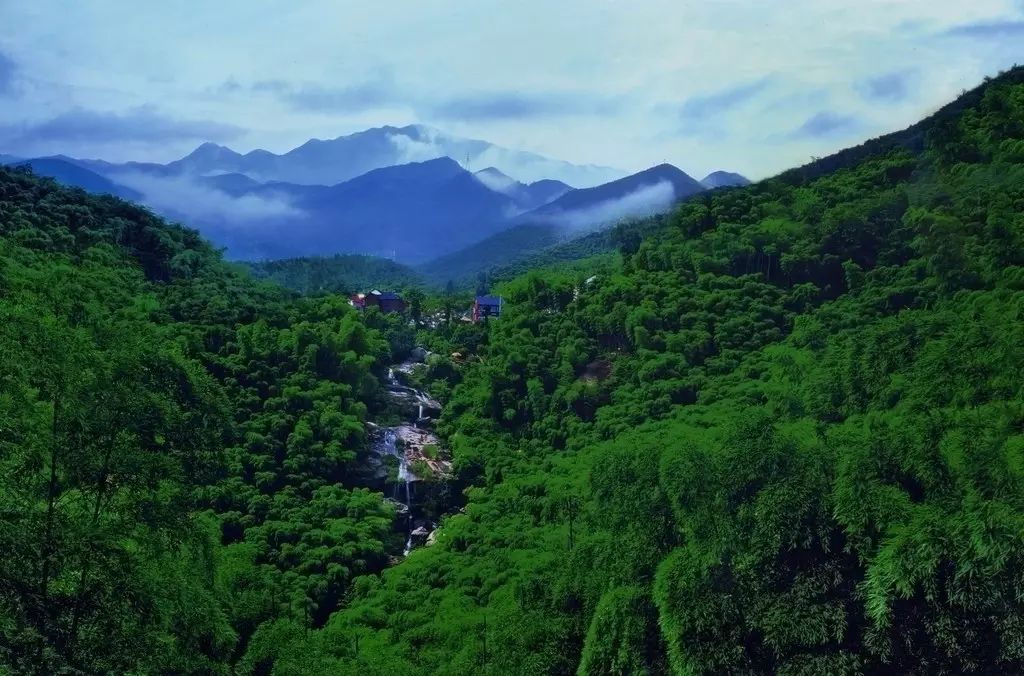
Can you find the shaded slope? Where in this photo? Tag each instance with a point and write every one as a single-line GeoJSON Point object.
{"type": "Point", "coordinates": [639, 194]}
{"type": "Point", "coordinates": [78, 177]}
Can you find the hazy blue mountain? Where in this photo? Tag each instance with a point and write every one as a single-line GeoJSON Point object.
{"type": "Point", "coordinates": [210, 158]}
{"type": "Point", "coordinates": [262, 205]}
{"type": "Point", "coordinates": [412, 213]}
{"type": "Point", "coordinates": [722, 179]}
{"type": "Point", "coordinates": [72, 174]}
{"type": "Point", "coordinates": [565, 219]}
{"type": "Point", "coordinates": [328, 162]}
{"type": "Point", "coordinates": [548, 190]}
{"type": "Point", "coordinates": [526, 196]}
{"type": "Point", "coordinates": [232, 184]}
{"type": "Point", "coordinates": [501, 249]}
{"type": "Point", "coordinates": [641, 194]}
{"type": "Point", "coordinates": [9, 159]}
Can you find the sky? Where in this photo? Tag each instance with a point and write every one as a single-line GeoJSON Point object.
{"type": "Point", "coordinates": [740, 85]}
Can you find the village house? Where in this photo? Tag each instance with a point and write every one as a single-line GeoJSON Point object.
{"type": "Point", "coordinates": [486, 306]}
{"type": "Point", "coordinates": [386, 301]}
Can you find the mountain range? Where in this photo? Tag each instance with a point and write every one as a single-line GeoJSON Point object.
{"type": "Point", "coordinates": [385, 192]}
{"type": "Point", "coordinates": [328, 162]}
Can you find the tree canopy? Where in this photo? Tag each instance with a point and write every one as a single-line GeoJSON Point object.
{"type": "Point", "coordinates": [780, 430]}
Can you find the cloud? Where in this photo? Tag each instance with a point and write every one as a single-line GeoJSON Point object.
{"type": "Point", "coordinates": [250, 226]}
{"type": "Point", "coordinates": [362, 96]}
{"type": "Point", "coordinates": [497, 106]}
{"type": "Point", "coordinates": [888, 88]}
{"type": "Point", "coordinates": [988, 30]}
{"type": "Point", "coordinates": [8, 69]}
{"type": "Point", "coordinates": [707, 105]}
{"type": "Point", "coordinates": [141, 124]}
{"type": "Point", "coordinates": [426, 146]}
{"type": "Point", "coordinates": [826, 124]}
{"type": "Point", "coordinates": [229, 86]}
{"type": "Point", "coordinates": [643, 201]}
{"type": "Point", "coordinates": [369, 94]}
{"type": "Point", "coordinates": [198, 204]}
{"type": "Point", "coordinates": [268, 86]}
{"type": "Point", "coordinates": [692, 58]}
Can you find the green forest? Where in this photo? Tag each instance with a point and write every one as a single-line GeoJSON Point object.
{"type": "Point", "coordinates": [778, 430]}
{"type": "Point", "coordinates": [342, 274]}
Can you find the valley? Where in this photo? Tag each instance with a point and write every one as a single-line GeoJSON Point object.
{"type": "Point", "coordinates": [408, 402]}
{"type": "Point", "coordinates": [357, 195]}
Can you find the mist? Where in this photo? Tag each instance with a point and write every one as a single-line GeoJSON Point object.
{"type": "Point", "coordinates": [644, 201]}
{"type": "Point", "coordinates": [201, 203]}
{"type": "Point", "coordinates": [249, 226]}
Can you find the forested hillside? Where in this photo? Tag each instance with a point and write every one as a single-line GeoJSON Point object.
{"type": "Point", "coordinates": [781, 432]}
{"type": "Point", "coordinates": [344, 274]}
{"type": "Point", "coordinates": [787, 436]}
{"type": "Point", "coordinates": [177, 443]}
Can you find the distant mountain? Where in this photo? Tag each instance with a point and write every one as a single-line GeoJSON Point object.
{"type": "Point", "coordinates": [9, 159]}
{"type": "Point", "coordinates": [327, 162]}
{"type": "Point", "coordinates": [71, 174]}
{"type": "Point", "coordinates": [640, 194]}
{"type": "Point", "coordinates": [501, 249]}
{"type": "Point", "coordinates": [526, 196]}
{"type": "Point", "coordinates": [412, 212]}
{"type": "Point", "coordinates": [232, 184]}
{"type": "Point", "coordinates": [566, 219]}
{"type": "Point", "coordinates": [265, 206]}
{"type": "Point", "coordinates": [722, 179]}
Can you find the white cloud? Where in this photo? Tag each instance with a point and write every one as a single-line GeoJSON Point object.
{"type": "Point", "coordinates": [535, 57]}
{"type": "Point", "coordinates": [643, 201]}
{"type": "Point", "coordinates": [201, 204]}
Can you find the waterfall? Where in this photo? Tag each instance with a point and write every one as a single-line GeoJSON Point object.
{"type": "Point", "coordinates": [406, 437]}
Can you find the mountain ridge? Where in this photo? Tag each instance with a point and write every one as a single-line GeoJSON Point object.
{"type": "Point", "coordinates": [724, 179]}
{"type": "Point", "coordinates": [332, 161]}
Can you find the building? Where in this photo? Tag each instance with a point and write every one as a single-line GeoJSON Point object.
{"type": "Point", "coordinates": [391, 302]}
{"type": "Point", "coordinates": [358, 301]}
{"type": "Point", "coordinates": [386, 301]}
{"type": "Point", "coordinates": [486, 306]}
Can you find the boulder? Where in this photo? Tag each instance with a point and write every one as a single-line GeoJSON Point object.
{"type": "Point", "coordinates": [419, 536]}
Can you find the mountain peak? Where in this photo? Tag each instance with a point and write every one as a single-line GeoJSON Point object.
{"type": "Point", "coordinates": [332, 161]}
{"type": "Point", "coordinates": [721, 179]}
{"type": "Point", "coordinates": [639, 194]}
{"type": "Point", "coordinates": [492, 171]}
{"type": "Point", "coordinates": [429, 171]}
{"type": "Point", "coordinates": [212, 152]}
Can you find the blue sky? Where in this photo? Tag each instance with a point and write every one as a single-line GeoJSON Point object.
{"type": "Point", "coordinates": [743, 85]}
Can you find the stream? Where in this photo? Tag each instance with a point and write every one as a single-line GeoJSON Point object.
{"type": "Point", "coordinates": [413, 444]}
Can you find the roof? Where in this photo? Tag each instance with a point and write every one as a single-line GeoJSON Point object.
{"type": "Point", "coordinates": [390, 295]}
{"type": "Point", "coordinates": [488, 300]}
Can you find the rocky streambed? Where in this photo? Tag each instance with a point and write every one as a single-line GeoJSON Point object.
{"type": "Point", "coordinates": [407, 461]}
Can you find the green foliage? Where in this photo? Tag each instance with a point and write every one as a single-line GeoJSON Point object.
{"type": "Point", "coordinates": [145, 381]}
{"type": "Point", "coordinates": [343, 274]}
{"type": "Point", "coordinates": [782, 435]}
{"type": "Point", "coordinates": [780, 431]}
{"type": "Point", "coordinates": [620, 634]}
